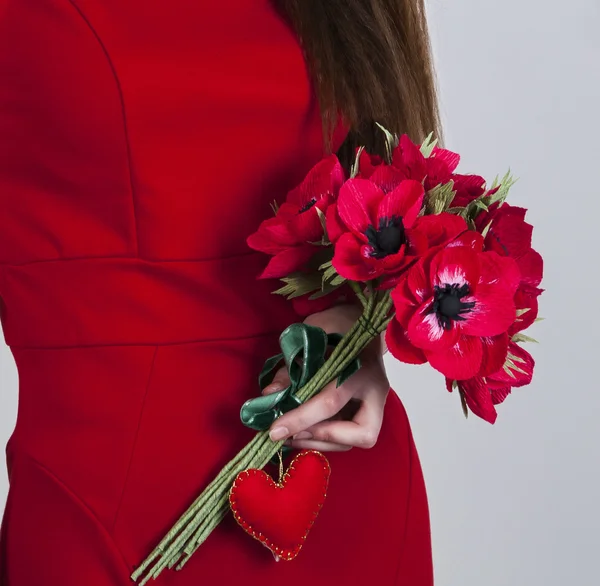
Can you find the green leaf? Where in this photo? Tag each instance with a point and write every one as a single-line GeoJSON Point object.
{"type": "Point", "coordinates": [330, 280]}
{"type": "Point", "coordinates": [510, 365]}
{"type": "Point", "coordinates": [458, 211]}
{"type": "Point", "coordinates": [537, 319]}
{"type": "Point", "coordinates": [356, 164]}
{"type": "Point", "coordinates": [523, 311]}
{"type": "Point", "coordinates": [274, 207]}
{"type": "Point", "coordinates": [523, 338]}
{"type": "Point", "coordinates": [438, 199]}
{"type": "Point", "coordinates": [391, 142]}
{"type": "Point", "coordinates": [323, 221]}
{"type": "Point", "coordinates": [329, 271]}
{"type": "Point", "coordinates": [338, 280]}
{"type": "Point", "coordinates": [428, 145]}
{"type": "Point", "coordinates": [505, 184]}
{"type": "Point", "coordinates": [298, 284]}
{"type": "Point", "coordinates": [485, 231]}
{"type": "Point", "coordinates": [325, 289]}
{"type": "Point", "coordinates": [463, 402]}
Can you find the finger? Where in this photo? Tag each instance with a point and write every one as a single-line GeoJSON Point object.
{"type": "Point", "coordinates": [347, 433]}
{"type": "Point", "coordinates": [280, 381]}
{"type": "Point", "coordinates": [317, 445]}
{"type": "Point", "coordinates": [363, 430]}
{"type": "Point", "coordinates": [323, 406]}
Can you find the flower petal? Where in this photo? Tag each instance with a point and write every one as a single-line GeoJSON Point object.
{"type": "Point", "coordinates": [501, 271]}
{"type": "Point", "coordinates": [324, 179]}
{"type": "Point", "coordinates": [387, 177]}
{"type": "Point", "coordinates": [509, 234]}
{"type": "Point", "coordinates": [526, 304]}
{"type": "Point", "coordinates": [367, 164]}
{"type": "Point", "coordinates": [399, 345]}
{"type": "Point", "coordinates": [531, 266]}
{"type": "Point", "coordinates": [440, 228]}
{"type": "Point", "coordinates": [468, 188]}
{"type": "Point", "coordinates": [408, 158]}
{"type": "Point", "coordinates": [335, 226]}
{"type": "Point", "coordinates": [468, 239]}
{"type": "Point", "coordinates": [288, 261]}
{"type": "Point", "coordinates": [437, 173]}
{"type": "Point", "coordinates": [448, 157]}
{"type": "Point", "coordinates": [357, 204]}
{"type": "Point", "coordinates": [418, 282]}
{"type": "Point", "coordinates": [493, 314]}
{"type": "Point", "coordinates": [307, 226]}
{"type": "Point", "coordinates": [478, 398]}
{"type": "Point", "coordinates": [280, 228]}
{"type": "Point", "coordinates": [459, 362]}
{"type": "Point", "coordinates": [455, 266]}
{"type": "Point", "coordinates": [495, 350]}
{"type": "Point", "coordinates": [264, 242]}
{"type": "Point", "coordinates": [405, 304]}
{"type": "Point", "coordinates": [518, 367]}
{"type": "Point", "coordinates": [499, 394]}
{"type": "Point", "coordinates": [349, 261]}
{"type": "Point", "coordinates": [405, 201]}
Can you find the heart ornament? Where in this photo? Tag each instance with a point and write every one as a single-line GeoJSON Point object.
{"type": "Point", "coordinates": [280, 514]}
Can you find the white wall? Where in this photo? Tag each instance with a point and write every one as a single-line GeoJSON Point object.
{"type": "Point", "coordinates": [517, 503]}
{"type": "Point", "coordinates": [514, 504]}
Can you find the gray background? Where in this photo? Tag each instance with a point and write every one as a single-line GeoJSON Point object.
{"type": "Point", "coordinates": [514, 504]}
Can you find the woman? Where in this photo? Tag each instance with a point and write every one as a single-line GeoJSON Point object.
{"type": "Point", "coordinates": [140, 144]}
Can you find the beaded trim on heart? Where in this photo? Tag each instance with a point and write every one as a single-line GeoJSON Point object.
{"type": "Point", "coordinates": [284, 554]}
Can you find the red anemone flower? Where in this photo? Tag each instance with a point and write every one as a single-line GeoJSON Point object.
{"type": "Point", "coordinates": [288, 236]}
{"type": "Point", "coordinates": [454, 309]}
{"type": "Point", "coordinates": [379, 236]}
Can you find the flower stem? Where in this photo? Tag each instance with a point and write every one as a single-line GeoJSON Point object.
{"type": "Point", "coordinates": [211, 506]}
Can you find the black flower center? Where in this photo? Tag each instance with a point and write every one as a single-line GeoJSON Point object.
{"type": "Point", "coordinates": [448, 304]}
{"type": "Point", "coordinates": [308, 205]}
{"type": "Point", "coordinates": [388, 238]}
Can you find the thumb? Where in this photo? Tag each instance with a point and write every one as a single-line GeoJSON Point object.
{"type": "Point", "coordinates": [280, 381]}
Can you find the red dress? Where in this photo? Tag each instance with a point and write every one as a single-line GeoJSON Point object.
{"type": "Point", "coordinates": [140, 143]}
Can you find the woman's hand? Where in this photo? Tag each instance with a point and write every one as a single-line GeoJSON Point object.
{"type": "Point", "coordinates": [337, 419]}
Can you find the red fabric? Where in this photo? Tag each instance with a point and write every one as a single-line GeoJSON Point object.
{"type": "Point", "coordinates": [130, 302]}
{"type": "Point", "coordinates": [280, 515]}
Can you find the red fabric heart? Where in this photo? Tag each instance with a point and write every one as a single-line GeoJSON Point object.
{"type": "Point", "coordinates": [281, 515]}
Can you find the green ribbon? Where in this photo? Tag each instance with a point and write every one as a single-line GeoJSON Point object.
{"type": "Point", "coordinates": [303, 350]}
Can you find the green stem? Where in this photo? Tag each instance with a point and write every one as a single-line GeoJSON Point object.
{"type": "Point", "coordinates": [211, 506]}
{"type": "Point", "coordinates": [359, 293]}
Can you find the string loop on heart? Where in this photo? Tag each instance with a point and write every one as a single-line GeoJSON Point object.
{"type": "Point", "coordinates": [280, 454]}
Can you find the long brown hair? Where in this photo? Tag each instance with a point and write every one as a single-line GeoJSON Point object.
{"type": "Point", "coordinates": [370, 61]}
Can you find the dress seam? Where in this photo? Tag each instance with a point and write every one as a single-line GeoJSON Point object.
{"type": "Point", "coordinates": [153, 343]}
{"type": "Point", "coordinates": [124, 116]}
{"type": "Point", "coordinates": [135, 441]}
{"type": "Point", "coordinates": [130, 257]}
{"type": "Point", "coordinates": [101, 527]}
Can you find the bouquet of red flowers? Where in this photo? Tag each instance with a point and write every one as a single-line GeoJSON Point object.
{"type": "Point", "coordinates": [441, 265]}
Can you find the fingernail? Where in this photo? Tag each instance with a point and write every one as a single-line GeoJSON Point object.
{"type": "Point", "coordinates": [303, 435]}
{"type": "Point", "coordinates": [279, 433]}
